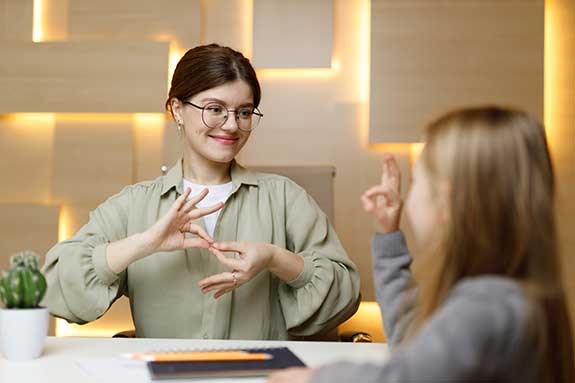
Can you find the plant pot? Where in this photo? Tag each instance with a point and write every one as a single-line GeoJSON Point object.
{"type": "Point", "coordinates": [23, 332]}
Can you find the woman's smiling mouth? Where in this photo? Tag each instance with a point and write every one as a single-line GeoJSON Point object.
{"type": "Point", "coordinates": [225, 140]}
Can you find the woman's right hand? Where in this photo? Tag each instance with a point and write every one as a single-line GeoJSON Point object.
{"type": "Point", "coordinates": [169, 233]}
{"type": "Point", "coordinates": [383, 201]}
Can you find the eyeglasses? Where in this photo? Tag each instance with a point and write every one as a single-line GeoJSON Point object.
{"type": "Point", "coordinates": [215, 115]}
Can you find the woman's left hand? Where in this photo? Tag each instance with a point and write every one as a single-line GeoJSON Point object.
{"type": "Point", "coordinates": [253, 258]}
{"type": "Point", "coordinates": [291, 375]}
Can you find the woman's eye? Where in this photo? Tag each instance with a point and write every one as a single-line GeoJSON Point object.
{"type": "Point", "coordinates": [215, 109]}
{"type": "Point", "coordinates": [246, 113]}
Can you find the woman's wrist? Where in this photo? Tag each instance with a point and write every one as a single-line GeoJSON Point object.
{"type": "Point", "coordinates": [284, 264]}
{"type": "Point", "coordinates": [122, 253]}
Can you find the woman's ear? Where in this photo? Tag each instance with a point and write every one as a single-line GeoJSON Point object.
{"type": "Point", "coordinates": [176, 107]}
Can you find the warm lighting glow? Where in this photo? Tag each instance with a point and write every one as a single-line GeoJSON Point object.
{"type": "Point", "coordinates": [149, 120]}
{"type": "Point", "coordinates": [32, 119]}
{"type": "Point", "coordinates": [248, 30]}
{"type": "Point", "coordinates": [38, 21]}
{"type": "Point", "coordinates": [176, 54]}
{"type": "Point", "coordinates": [98, 117]}
{"type": "Point", "coordinates": [415, 152]}
{"type": "Point", "coordinates": [64, 230]}
{"type": "Point", "coordinates": [413, 149]}
{"type": "Point", "coordinates": [64, 328]}
{"type": "Point", "coordinates": [366, 319]}
{"type": "Point", "coordinates": [553, 66]}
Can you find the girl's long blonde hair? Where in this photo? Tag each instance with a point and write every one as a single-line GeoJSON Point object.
{"type": "Point", "coordinates": [501, 222]}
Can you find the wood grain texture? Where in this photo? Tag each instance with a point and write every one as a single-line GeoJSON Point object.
{"type": "Point", "coordinates": [83, 77]}
{"type": "Point", "coordinates": [177, 21]}
{"type": "Point", "coordinates": [27, 227]}
{"type": "Point", "coordinates": [92, 158]}
{"type": "Point", "coordinates": [26, 158]}
{"type": "Point", "coordinates": [428, 56]}
{"type": "Point", "coordinates": [16, 17]}
{"type": "Point", "coordinates": [292, 34]}
{"type": "Point", "coordinates": [224, 23]}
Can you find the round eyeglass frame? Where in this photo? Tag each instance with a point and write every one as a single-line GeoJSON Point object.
{"type": "Point", "coordinates": [256, 111]}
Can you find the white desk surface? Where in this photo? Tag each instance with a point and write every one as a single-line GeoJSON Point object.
{"type": "Point", "coordinates": [97, 359]}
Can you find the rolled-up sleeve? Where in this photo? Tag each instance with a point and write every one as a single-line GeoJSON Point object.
{"type": "Point", "coordinates": [81, 286]}
{"type": "Point", "coordinates": [326, 292]}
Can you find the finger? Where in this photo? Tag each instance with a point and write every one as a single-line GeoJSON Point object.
{"type": "Point", "coordinates": [230, 263]}
{"type": "Point", "coordinates": [198, 213]}
{"type": "Point", "coordinates": [181, 200]}
{"type": "Point", "coordinates": [218, 286]}
{"type": "Point", "coordinates": [225, 277]}
{"type": "Point", "coordinates": [192, 202]}
{"type": "Point", "coordinates": [197, 230]}
{"type": "Point", "coordinates": [391, 174]}
{"type": "Point", "coordinates": [230, 246]}
{"type": "Point", "coordinates": [221, 292]}
{"type": "Point", "coordinates": [375, 191]}
{"type": "Point", "coordinates": [196, 242]}
{"type": "Point", "coordinates": [368, 204]}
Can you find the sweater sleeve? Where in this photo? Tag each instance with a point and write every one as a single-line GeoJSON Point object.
{"type": "Point", "coordinates": [326, 292]}
{"type": "Point", "coordinates": [473, 337]}
{"type": "Point", "coordinates": [392, 279]}
{"type": "Point", "coordinates": [81, 286]}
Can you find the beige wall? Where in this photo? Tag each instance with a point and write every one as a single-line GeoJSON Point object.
{"type": "Point", "coordinates": [312, 117]}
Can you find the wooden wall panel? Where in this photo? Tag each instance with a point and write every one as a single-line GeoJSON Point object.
{"type": "Point", "coordinates": [148, 134]}
{"type": "Point", "coordinates": [428, 56]}
{"type": "Point", "coordinates": [54, 20]}
{"type": "Point", "coordinates": [92, 158]}
{"type": "Point", "coordinates": [26, 158]}
{"type": "Point", "coordinates": [132, 20]}
{"type": "Point", "coordinates": [304, 28]}
{"type": "Point", "coordinates": [316, 180]}
{"type": "Point", "coordinates": [27, 227]}
{"type": "Point", "coordinates": [16, 18]}
{"type": "Point", "coordinates": [224, 23]}
{"type": "Point", "coordinates": [83, 77]}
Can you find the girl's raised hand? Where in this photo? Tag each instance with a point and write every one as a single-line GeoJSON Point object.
{"type": "Point", "coordinates": [383, 201]}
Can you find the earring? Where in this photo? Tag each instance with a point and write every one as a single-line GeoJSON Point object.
{"type": "Point", "coordinates": [180, 125]}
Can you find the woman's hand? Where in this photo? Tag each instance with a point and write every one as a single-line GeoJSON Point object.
{"type": "Point", "coordinates": [253, 258]}
{"type": "Point", "coordinates": [383, 201]}
{"type": "Point", "coordinates": [169, 233]}
{"type": "Point", "coordinates": [291, 375]}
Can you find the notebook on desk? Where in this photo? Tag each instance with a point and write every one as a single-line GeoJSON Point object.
{"type": "Point", "coordinates": [275, 358]}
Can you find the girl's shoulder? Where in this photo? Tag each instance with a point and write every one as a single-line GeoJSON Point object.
{"type": "Point", "coordinates": [497, 306]}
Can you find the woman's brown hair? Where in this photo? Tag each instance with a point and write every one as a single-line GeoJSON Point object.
{"type": "Point", "coordinates": [501, 222]}
{"type": "Point", "coordinates": [208, 66]}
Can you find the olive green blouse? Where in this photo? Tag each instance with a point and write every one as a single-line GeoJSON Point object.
{"type": "Point", "coordinates": [165, 299]}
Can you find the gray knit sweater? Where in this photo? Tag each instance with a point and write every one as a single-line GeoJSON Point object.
{"type": "Point", "coordinates": [477, 335]}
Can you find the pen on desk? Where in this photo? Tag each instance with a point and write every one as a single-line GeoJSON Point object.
{"type": "Point", "coordinates": [199, 356]}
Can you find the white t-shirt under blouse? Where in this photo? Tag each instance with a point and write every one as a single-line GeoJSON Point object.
{"type": "Point", "coordinates": [216, 193]}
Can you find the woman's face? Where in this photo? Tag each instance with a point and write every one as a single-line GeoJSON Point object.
{"type": "Point", "coordinates": [424, 209]}
{"type": "Point", "coordinates": [219, 144]}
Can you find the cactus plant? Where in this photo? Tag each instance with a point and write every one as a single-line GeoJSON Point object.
{"type": "Point", "coordinates": [23, 286]}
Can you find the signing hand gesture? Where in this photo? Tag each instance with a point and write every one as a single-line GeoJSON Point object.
{"type": "Point", "coordinates": [169, 233]}
{"type": "Point", "coordinates": [253, 258]}
{"type": "Point", "coordinates": [383, 201]}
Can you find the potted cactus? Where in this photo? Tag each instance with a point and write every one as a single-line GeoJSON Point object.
{"type": "Point", "coordinates": [23, 323]}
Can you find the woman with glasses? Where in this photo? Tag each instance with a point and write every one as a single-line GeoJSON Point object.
{"type": "Point", "coordinates": [209, 250]}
